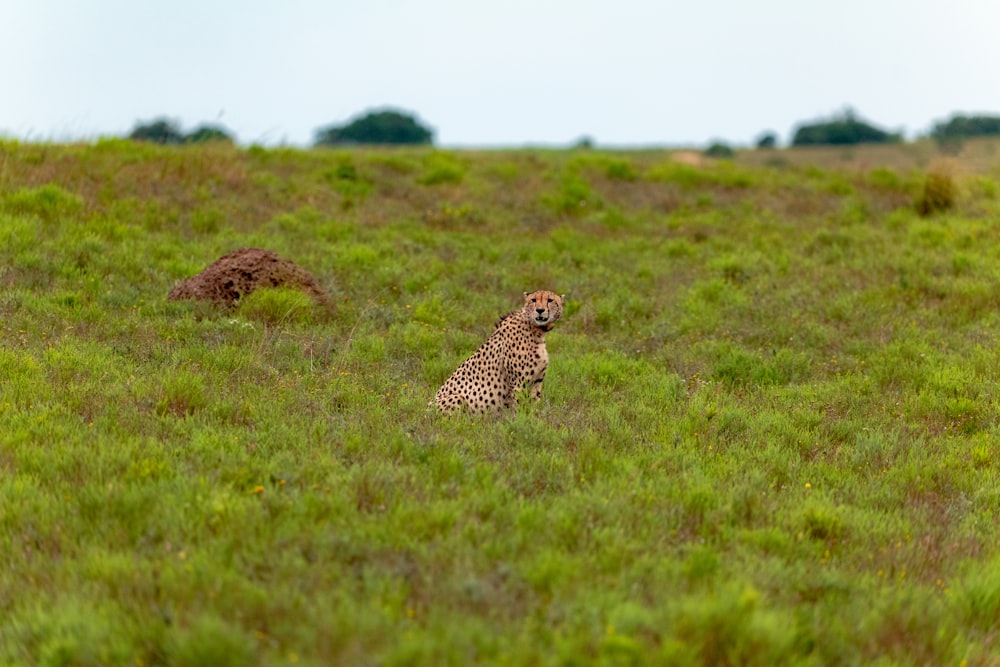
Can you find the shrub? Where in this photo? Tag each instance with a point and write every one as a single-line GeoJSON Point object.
{"type": "Point", "coordinates": [885, 179]}
{"type": "Point", "coordinates": [441, 168]}
{"type": "Point", "coordinates": [719, 150]}
{"type": "Point", "coordinates": [960, 126]}
{"type": "Point", "coordinates": [620, 170]}
{"type": "Point", "coordinates": [767, 140]}
{"type": "Point", "coordinates": [574, 196]}
{"type": "Point", "coordinates": [376, 127]}
{"type": "Point", "coordinates": [208, 133]}
{"type": "Point", "coordinates": [161, 131]}
{"type": "Point", "coordinates": [939, 192]}
{"type": "Point", "coordinates": [209, 640]}
{"type": "Point", "coordinates": [950, 136]}
{"type": "Point", "coordinates": [843, 130]}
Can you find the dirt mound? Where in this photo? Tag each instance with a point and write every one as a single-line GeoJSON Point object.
{"type": "Point", "coordinates": [231, 277]}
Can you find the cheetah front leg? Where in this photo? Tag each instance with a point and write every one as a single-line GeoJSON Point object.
{"type": "Point", "coordinates": [448, 403]}
{"type": "Point", "coordinates": [536, 386]}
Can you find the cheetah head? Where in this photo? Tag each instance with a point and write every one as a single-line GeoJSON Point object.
{"type": "Point", "coordinates": [543, 308]}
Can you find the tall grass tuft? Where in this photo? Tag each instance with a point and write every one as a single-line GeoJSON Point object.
{"type": "Point", "coordinates": [940, 190]}
{"type": "Point", "coordinates": [278, 305]}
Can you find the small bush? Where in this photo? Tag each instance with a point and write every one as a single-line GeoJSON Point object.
{"type": "Point", "coordinates": [732, 627]}
{"type": "Point", "coordinates": [767, 140]}
{"type": "Point", "coordinates": [206, 133]}
{"type": "Point", "coordinates": [821, 522]}
{"type": "Point", "coordinates": [441, 168]}
{"type": "Point", "coordinates": [960, 126]}
{"type": "Point", "coordinates": [166, 131]}
{"type": "Point", "coordinates": [940, 191]}
{"type": "Point", "coordinates": [209, 640]}
{"type": "Point", "coordinates": [620, 170]}
{"type": "Point", "coordinates": [719, 150]}
{"type": "Point", "coordinates": [886, 179]}
{"type": "Point", "coordinates": [160, 131]}
{"type": "Point", "coordinates": [345, 178]}
{"type": "Point", "coordinates": [573, 197]}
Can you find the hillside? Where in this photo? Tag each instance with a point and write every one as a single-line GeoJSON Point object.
{"type": "Point", "coordinates": [768, 436]}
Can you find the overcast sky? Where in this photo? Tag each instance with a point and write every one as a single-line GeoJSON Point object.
{"type": "Point", "coordinates": [496, 73]}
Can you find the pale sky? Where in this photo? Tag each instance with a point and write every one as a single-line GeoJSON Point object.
{"type": "Point", "coordinates": [498, 73]}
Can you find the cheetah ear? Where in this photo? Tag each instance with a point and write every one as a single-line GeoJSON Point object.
{"type": "Point", "coordinates": [527, 294]}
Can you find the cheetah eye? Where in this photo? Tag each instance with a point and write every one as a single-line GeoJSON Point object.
{"type": "Point", "coordinates": [534, 300]}
{"type": "Point", "coordinates": [549, 301]}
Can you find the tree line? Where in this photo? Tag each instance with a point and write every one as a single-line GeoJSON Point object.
{"type": "Point", "coordinates": [391, 126]}
{"type": "Point", "coordinates": [385, 126]}
{"type": "Point", "coordinates": [163, 131]}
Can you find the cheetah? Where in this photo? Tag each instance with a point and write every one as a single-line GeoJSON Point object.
{"type": "Point", "coordinates": [512, 359]}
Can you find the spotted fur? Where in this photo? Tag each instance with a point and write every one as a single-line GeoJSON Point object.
{"type": "Point", "coordinates": [512, 359]}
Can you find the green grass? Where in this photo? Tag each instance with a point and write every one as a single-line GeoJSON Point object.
{"type": "Point", "coordinates": [768, 436]}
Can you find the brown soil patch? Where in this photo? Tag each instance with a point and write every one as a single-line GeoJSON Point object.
{"type": "Point", "coordinates": [231, 277]}
{"type": "Point", "coordinates": [689, 158]}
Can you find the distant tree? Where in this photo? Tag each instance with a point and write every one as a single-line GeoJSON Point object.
{"type": "Point", "coordinates": [719, 150]}
{"type": "Point", "coordinates": [841, 130]}
{"type": "Point", "coordinates": [585, 143]}
{"type": "Point", "coordinates": [376, 127]}
{"type": "Point", "coordinates": [962, 127]}
{"type": "Point", "coordinates": [160, 131]}
{"type": "Point", "coordinates": [208, 133]}
{"type": "Point", "coordinates": [767, 140]}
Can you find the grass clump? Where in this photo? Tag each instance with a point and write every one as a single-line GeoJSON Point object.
{"type": "Point", "coordinates": [440, 168]}
{"type": "Point", "coordinates": [278, 305]}
{"type": "Point", "coordinates": [572, 196]}
{"type": "Point", "coordinates": [48, 202]}
{"type": "Point", "coordinates": [940, 191]}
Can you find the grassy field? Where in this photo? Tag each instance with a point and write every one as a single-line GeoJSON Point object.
{"type": "Point", "coordinates": [769, 432]}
